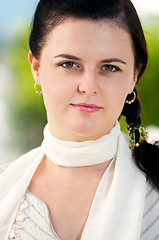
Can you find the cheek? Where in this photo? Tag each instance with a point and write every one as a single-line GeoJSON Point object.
{"type": "Point", "coordinates": [116, 90]}
{"type": "Point", "coordinates": [57, 92]}
{"type": "Point", "coordinates": [124, 82]}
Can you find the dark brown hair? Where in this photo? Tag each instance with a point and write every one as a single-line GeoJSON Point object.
{"type": "Point", "coordinates": [50, 13]}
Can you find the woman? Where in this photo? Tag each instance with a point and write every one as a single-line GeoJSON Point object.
{"type": "Point", "coordinates": [82, 182]}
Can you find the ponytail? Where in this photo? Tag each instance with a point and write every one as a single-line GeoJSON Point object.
{"type": "Point", "coordinates": [146, 155]}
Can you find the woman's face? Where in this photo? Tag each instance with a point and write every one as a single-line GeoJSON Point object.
{"type": "Point", "coordinates": [86, 70]}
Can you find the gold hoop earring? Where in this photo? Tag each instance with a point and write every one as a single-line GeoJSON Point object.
{"type": "Point", "coordinates": [132, 100]}
{"type": "Point", "coordinates": [37, 92]}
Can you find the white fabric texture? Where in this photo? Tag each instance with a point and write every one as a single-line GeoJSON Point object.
{"type": "Point", "coordinates": [76, 154]}
{"type": "Point", "coordinates": [116, 213]}
{"type": "Point", "coordinates": [33, 219]}
{"type": "Point", "coordinates": [150, 224]}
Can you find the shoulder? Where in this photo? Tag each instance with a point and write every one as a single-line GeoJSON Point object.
{"type": "Point", "coordinates": [126, 137]}
{"type": "Point", "coordinates": [150, 226]}
{"type": "Point", "coordinates": [19, 162]}
{"type": "Point", "coordinates": [151, 198]}
{"type": "Point", "coordinates": [3, 167]}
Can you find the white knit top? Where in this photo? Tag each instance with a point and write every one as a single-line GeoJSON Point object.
{"type": "Point", "coordinates": [150, 225]}
{"type": "Point", "coordinates": [33, 220]}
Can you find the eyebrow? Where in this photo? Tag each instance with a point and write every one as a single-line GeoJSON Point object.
{"type": "Point", "coordinates": [71, 57]}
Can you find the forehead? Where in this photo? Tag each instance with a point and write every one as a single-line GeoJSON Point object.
{"type": "Point", "coordinates": [89, 36]}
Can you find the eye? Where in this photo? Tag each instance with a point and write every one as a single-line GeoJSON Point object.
{"type": "Point", "coordinates": [68, 65]}
{"type": "Point", "coordinates": [110, 68]}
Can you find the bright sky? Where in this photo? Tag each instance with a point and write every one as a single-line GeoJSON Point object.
{"type": "Point", "coordinates": [14, 12]}
{"type": "Point", "coordinates": [147, 6]}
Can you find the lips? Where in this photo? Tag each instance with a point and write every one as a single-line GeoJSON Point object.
{"type": "Point", "coordinates": [86, 107]}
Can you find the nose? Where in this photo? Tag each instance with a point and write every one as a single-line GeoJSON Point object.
{"type": "Point", "coordinates": [88, 84]}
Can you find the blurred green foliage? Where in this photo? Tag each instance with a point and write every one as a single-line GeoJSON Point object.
{"type": "Point", "coordinates": [27, 112]}
{"type": "Point", "coordinates": [28, 116]}
{"type": "Point", "coordinates": [148, 86]}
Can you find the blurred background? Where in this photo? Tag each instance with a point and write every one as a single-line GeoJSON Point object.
{"type": "Point", "coordinates": [22, 113]}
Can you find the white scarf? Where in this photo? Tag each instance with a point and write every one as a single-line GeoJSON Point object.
{"type": "Point", "coordinates": [77, 154]}
{"type": "Point", "coordinates": [119, 214]}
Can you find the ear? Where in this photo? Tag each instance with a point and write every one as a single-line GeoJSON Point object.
{"type": "Point", "coordinates": [34, 64]}
{"type": "Point", "coordinates": [135, 79]}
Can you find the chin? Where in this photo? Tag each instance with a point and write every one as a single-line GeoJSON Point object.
{"type": "Point", "coordinates": [85, 133]}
